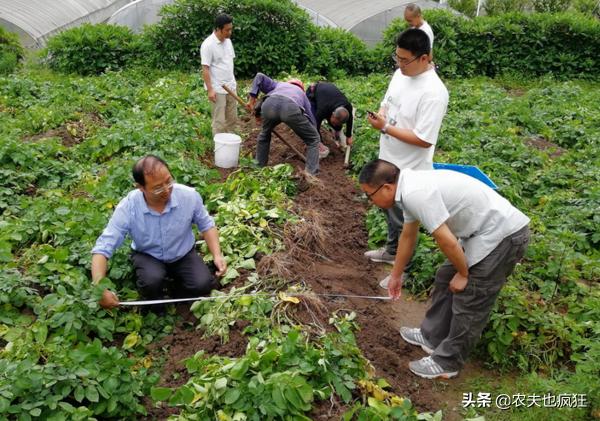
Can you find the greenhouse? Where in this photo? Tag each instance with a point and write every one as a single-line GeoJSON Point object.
{"type": "Point", "coordinates": [138, 13]}
{"type": "Point", "coordinates": [365, 22]}
{"type": "Point", "coordinates": [37, 20]}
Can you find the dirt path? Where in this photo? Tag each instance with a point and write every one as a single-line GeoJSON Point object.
{"type": "Point", "coordinates": [344, 270]}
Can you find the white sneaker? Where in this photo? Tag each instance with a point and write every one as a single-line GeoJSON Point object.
{"type": "Point", "coordinates": [380, 256]}
{"type": "Point", "coordinates": [429, 369]}
{"type": "Point", "coordinates": [385, 281]}
{"type": "Point", "coordinates": [413, 336]}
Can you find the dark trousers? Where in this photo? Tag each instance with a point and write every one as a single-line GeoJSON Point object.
{"type": "Point", "coordinates": [190, 276]}
{"type": "Point", "coordinates": [278, 109]}
{"type": "Point", "coordinates": [454, 322]}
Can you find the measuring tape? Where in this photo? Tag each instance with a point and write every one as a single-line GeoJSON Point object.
{"type": "Point", "coordinates": [219, 297]}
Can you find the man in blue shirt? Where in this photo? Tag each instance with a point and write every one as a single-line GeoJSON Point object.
{"type": "Point", "coordinates": [158, 216]}
{"type": "Point", "coordinates": [285, 103]}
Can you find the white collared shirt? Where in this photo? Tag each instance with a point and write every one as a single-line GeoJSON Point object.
{"type": "Point", "coordinates": [218, 56]}
{"type": "Point", "coordinates": [478, 216]}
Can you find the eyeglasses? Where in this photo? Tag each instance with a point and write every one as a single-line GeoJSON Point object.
{"type": "Point", "coordinates": [370, 195]}
{"type": "Point", "coordinates": [160, 190]}
{"type": "Point", "coordinates": [402, 61]}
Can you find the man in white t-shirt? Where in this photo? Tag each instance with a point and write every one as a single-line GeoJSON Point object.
{"type": "Point", "coordinates": [409, 119]}
{"type": "Point", "coordinates": [413, 16]}
{"type": "Point", "coordinates": [483, 237]}
{"type": "Point", "coordinates": [217, 56]}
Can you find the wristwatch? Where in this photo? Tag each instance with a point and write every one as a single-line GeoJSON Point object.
{"type": "Point", "coordinates": [384, 129]}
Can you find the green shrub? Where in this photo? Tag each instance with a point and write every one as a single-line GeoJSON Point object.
{"type": "Point", "coordinates": [268, 36]}
{"type": "Point", "coordinates": [11, 52]}
{"type": "Point", "coordinates": [92, 49]}
{"type": "Point", "coordinates": [334, 51]}
{"type": "Point", "coordinates": [564, 45]}
{"type": "Point", "coordinates": [587, 7]}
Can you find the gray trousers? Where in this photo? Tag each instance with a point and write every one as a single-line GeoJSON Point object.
{"type": "Point", "coordinates": [454, 322]}
{"type": "Point", "coordinates": [278, 109]}
{"type": "Point", "coordinates": [395, 221]}
{"type": "Point", "coordinates": [190, 273]}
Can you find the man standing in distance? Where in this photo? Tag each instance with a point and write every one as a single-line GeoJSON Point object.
{"type": "Point", "coordinates": [413, 16]}
{"type": "Point", "coordinates": [409, 119]}
{"type": "Point", "coordinates": [217, 56]}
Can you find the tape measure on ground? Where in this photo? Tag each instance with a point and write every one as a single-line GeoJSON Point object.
{"type": "Point", "coordinates": [220, 297]}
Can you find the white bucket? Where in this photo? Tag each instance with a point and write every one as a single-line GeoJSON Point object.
{"type": "Point", "coordinates": [227, 150]}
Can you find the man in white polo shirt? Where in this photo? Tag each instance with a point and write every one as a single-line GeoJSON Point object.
{"type": "Point", "coordinates": [409, 119]}
{"type": "Point", "coordinates": [414, 17]}
{"type": "Point", "coordinates": [217, 56]}
{"type": "Point", "coordinates": [483, 237]}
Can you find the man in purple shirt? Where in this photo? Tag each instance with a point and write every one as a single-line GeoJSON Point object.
{"type": "Point", "coordinates": [158, 216]}
{"type": "Point", "coordinates": [284, 103]}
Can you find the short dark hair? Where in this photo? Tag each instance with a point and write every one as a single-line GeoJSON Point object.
{"type": "Point", "coordinates": [414, 40]}
{"type": "Point", "coordinates": [379, 172]}
{"type": "Point", "coordinates": [222, 20]}
{"type": "Point", "coordinates": [147, 165]}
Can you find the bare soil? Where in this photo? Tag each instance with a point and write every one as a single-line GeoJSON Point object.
{"type": "Point", "coordinates": [72, 132]}
{"type": "Point", "coordinates": [542, 144]}
{"type": "Point", "coordinates": [337, 208]}
{"type": "Point", "coordinates": [183, 343]}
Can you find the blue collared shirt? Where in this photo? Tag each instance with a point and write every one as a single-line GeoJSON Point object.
{"type": "Point", "coordinates": [166, 236]}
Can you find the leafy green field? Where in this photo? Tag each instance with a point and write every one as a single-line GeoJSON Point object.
{"type": "Point", "coordinates": [66, 147]}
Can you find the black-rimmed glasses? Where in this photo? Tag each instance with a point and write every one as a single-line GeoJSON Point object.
{"type": "Point", "coordinates": [370, 195]}
{"type": "Point", "coordinates": [402, 61]}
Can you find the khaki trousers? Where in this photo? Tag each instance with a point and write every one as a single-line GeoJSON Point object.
{"type": "Point", "coordinates": [224, 114]}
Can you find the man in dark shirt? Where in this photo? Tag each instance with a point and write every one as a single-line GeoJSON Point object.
{"type": "Point", "coordinates": [329, 103]}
